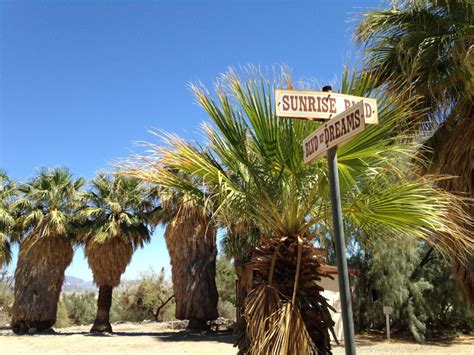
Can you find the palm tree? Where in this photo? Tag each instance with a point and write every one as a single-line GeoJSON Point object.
{"type": "Point", "coordinates": [253, 172]}
{"type": "Point", "coordinates": [7, 217]}
{"type": "Point", "coordinates": [47, 204]}
{"type": "Point", "coordinates": [428, 45]}
{"type": "Point", "coordinates": [113, 224]}
{"type": "Point", "coordinates": [191, 241]}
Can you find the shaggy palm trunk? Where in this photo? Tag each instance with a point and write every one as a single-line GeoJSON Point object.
{"type": "Point", "coordinates": [284, 310]}
{"type": "Point", "coordinates": [38, 280]}
{"type": "Point", "coordinates": [457, 159]}
{"type": "Point", "coordinates": [191, 243]}
{"type": "Point", "coordinates": [104, 302]}
{"type": "Point", "coordinates": [108, 262]}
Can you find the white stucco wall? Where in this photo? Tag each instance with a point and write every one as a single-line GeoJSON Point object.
{"type": "Point", "coordinates": [331, 292]}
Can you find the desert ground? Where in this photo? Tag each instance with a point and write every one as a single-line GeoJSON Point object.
{"type": "Point", "coordinates": [156, 338]}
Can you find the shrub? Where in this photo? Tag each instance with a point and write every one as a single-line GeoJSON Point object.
{"type": "Point", "coordinates": [226, 309]}
{"type": "Point", "coordinates": [225, 280]}
{"type": "Point", "coordinates": [80, 308]}
{"type": "Point", "coordinates": [151, 297]}
{"type": "Point", "coordinates": [6, 300]}
{"type": "Point", "coordinates": [62, 318]}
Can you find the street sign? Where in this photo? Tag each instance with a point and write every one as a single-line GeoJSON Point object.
{"type": "Point", "coordinates": [335, 132]}
{"type": "Point", "coordinates": [387, 310]}
{"type": "Point", "coordinates": [319, 105]}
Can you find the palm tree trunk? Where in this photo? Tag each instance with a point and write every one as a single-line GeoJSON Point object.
{"type": "Point", "coordinates": [241, 291]}
{"type": "Point", "coordinates": [39, 277]}
{"type": "Point", "coordinates": [286, 270]}
{"type": "Point", "coordinates": [191, 244]}
{"type": "Point", "coordinates": [104, 302]}
{"type": "Point", "coordinates": [108, 262]}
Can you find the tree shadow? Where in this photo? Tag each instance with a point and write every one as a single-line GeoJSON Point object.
{"type": "Point", "coordinates": [165, 336]}
{"type": "Point", "coordinates": [221, 337]}
{"type": "Point", "coordinates": [365, 340]}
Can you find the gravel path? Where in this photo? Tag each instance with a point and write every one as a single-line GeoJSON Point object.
{"type": "Point", "coordinates": [153, 338]}
{"type": "Point", "coordinates": [463, 345]}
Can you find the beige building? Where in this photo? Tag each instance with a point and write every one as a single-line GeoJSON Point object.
{"type": "Point", "coordinates": [331, 292]}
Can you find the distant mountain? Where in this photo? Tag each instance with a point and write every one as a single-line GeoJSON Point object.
{"type": "Point", "coordinates": [76, 285]}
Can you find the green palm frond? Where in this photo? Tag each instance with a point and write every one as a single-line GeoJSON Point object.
{"type": "Point", "coordinates": [115, 207]}
{"type": "Point", "coordinates": [423, 45]}
{"type": "Point", "coordinates": [8, 215]}
{"type": "Point", "coordinates": [47, 203]}
{"type": "Point", "coordinates": [5, 250]}
{"type": "Point", "coordinates": [251, 167]}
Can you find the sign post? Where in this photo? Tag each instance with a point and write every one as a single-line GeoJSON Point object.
{"type": "Point", "coordinates": [387, 311]}
{"type": "Point", "coordinates": [347, 116]}
{"type": "Point", "coordinates": [344, 287]}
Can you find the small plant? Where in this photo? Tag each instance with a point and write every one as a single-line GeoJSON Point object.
{"type": "Point", "coordinates": [151, 297]}
{"type": "Point", "coordinates": [6, 298]}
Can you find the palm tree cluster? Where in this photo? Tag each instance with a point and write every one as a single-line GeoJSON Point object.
{"type": "Point", "coordinates": [249, 179]}
{"type": "Point", "coordinates": [251, 176]}
{"type": "Point", "coordinates": [51, 214]}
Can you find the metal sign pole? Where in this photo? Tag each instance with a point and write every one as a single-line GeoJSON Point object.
{"type": "Point", "coordinates": [387, 323]}
{"type": "Point", "coordinates": [387, 311]}
{"type": "Point", "coordinates": [347, 117]}
{"type": "Point", "coordinates": [346, 306]}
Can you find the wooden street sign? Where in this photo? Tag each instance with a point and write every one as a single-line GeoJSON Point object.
{"type": "Point", "coordinates": [319, 105]}
{"type": "Point", "coordinates": [335, 132]}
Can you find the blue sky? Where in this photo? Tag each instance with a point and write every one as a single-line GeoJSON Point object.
{"type": "Point", "coordinates": [81, 81]}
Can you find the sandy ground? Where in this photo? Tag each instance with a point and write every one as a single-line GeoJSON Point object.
{"type": "Point", "coordinates": [152, 338]}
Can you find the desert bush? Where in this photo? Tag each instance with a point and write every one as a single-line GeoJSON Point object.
{"type": "Point", "coordinates": [225, 281]}
{"type": "Point", "coordinates": [62, 317]}
{"type": "Point", "coordinates": [6, 300]}
{"type": "Point", "coordinates": [149, 298]}
{"type": "Point", "coordinates": [226, 309]}
{"type": "Point", "coordinates": [80, 308]}
{"type": "Point", "coordinates": [416, 281]}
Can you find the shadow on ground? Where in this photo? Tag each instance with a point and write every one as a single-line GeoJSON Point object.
{"type": "Point", "coordinates": [221, 337]}
{"type": "Point", "coordinates": [372, 339]}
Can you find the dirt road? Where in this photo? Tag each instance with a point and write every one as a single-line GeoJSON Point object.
{"type": "Point", "coordinates": [151, 338]}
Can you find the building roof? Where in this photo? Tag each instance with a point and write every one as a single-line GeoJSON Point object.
{"type": "Point", "coordinates": [333, 270]}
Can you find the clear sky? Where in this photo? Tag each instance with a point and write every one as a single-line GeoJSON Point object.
{"type": "Point", "coordinates": [81, 81]}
